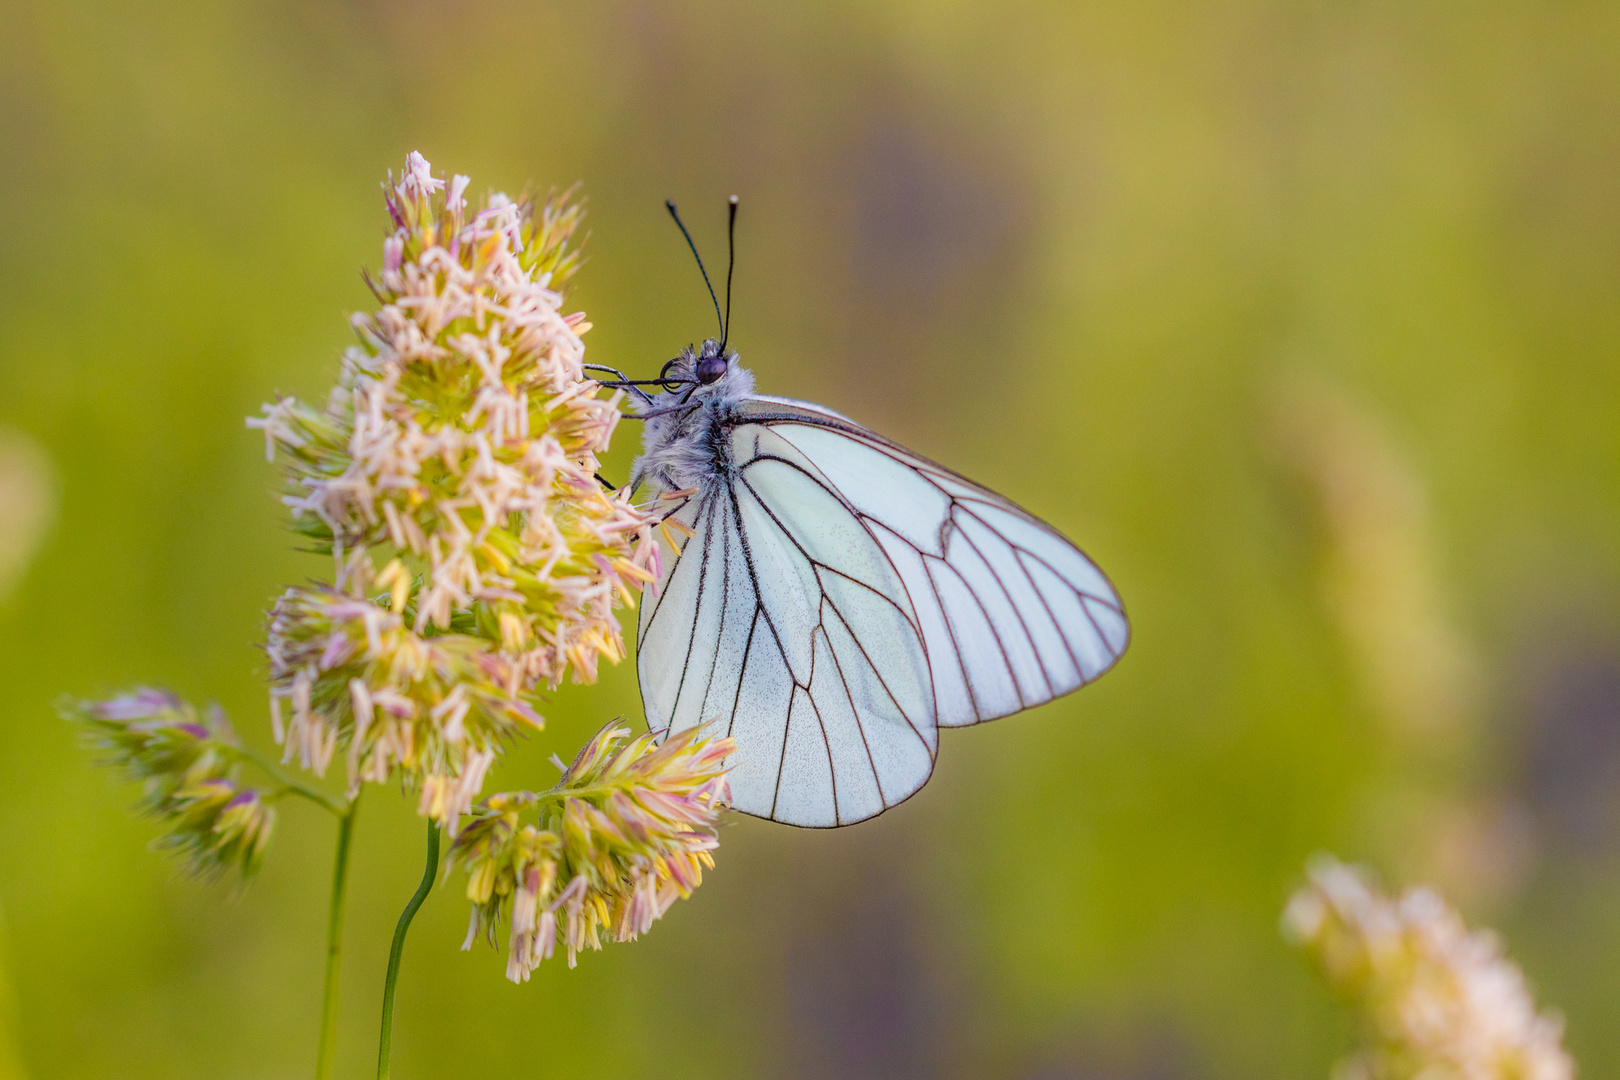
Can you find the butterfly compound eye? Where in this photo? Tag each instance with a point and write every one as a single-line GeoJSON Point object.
{"type": "Point", "coordinates": [710, 368]}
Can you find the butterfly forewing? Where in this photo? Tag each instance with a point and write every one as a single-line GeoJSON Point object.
{"type": "Point", "coordinates": [1011, 613]}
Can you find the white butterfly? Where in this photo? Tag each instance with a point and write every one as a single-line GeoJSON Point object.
{"type": "Point", "coordinates": [830, 600]}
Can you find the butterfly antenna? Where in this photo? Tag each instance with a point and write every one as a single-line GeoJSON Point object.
{"type": "Point", "coordinates": [670, 203]}
{"type": "Point", "coordinates": [731, 264]}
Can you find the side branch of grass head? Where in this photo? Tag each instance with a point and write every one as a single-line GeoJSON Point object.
{"type": "Point", "coordinates": [189, 770]}
{"type": "Point", "coordinates": [601, 856]}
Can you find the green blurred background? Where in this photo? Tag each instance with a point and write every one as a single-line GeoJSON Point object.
{"type": "Point", "coordinates": [1301, 317]}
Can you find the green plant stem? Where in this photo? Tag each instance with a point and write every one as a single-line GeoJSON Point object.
{"type": "Point", "coordinates": [334, 942]}
{"type": "Point", "coordinates": [289, 783]}
{"type": "Point", "coordinates": [385, 1042]}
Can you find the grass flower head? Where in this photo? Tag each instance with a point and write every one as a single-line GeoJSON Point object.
{"type": "Point", "coordinates": [458, 451]}
{"type": "Point", "coordinates": [478, 559]}
{"type": "Point", "coordinates": [601, 856]}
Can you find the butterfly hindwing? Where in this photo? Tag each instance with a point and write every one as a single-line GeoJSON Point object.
{"type": "Point", "coordinates": [766, 608]}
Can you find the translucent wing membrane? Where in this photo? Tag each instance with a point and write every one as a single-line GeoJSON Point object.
{"type": "Point", "coordinates": [840, 599]}
{"type": "Point", "coordinates": [789, 637]}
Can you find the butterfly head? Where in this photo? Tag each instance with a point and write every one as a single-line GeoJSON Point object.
{"type": "Point", "coordinates": [711, 365]}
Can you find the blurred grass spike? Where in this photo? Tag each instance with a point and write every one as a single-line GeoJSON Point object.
{"type": "Point", "coordinates": [28, 499]}
{"type": "Point", "coordinates": [188, 770]}
{"type": "Point", "coordinates": [1381, 560]}
{"type": "Point", "coordinates": [459, 448]}
{"type": "Point", "coordinates": [1437, 1001]}
{"type": "Point", "coordinates": [625, 833]}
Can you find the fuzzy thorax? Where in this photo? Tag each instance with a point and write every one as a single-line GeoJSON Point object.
{"type": "Point", "coordinates": [685, 443]}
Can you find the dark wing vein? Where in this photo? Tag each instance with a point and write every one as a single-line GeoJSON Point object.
{"type": "Point", "coordinates": [725, 603]}
{"type": "Point", "coordinates": [826, 485]}
{"type": "Point", "coordinates": [1022, 625]}
{"type": "Point", "coordinates": [826, 743]}
{"type": "Point", "coordinates": [830, 602]}
{"type": "Point", "coordinates": [658, 601]}
{"type": "Point", "coordinates": [697, 609]}
{"type": "Point", "coordinates": [1068, 646]}
{"type": "Point", "coordinates": [761, 613]}
{"type": "Point", "coordinates": [854, 710]}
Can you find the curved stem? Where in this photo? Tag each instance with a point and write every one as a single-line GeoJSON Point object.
{"type": "Point", "coordinates": [385, 1042]}
{"type": "Point", "coordinates": [334, 942]}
